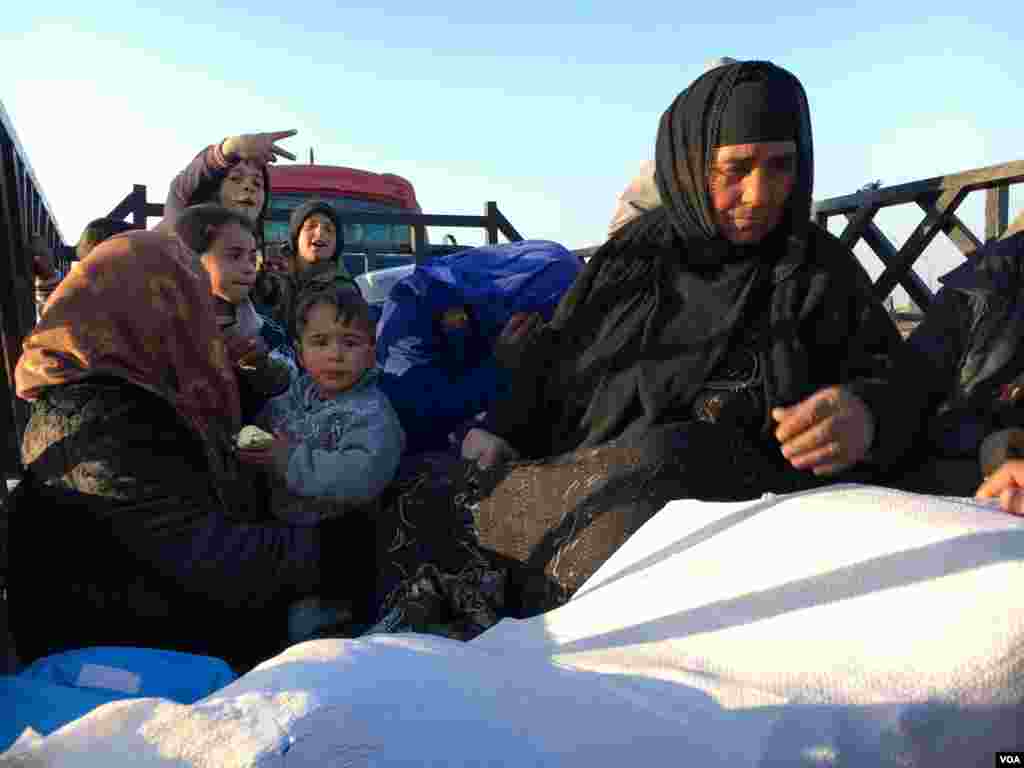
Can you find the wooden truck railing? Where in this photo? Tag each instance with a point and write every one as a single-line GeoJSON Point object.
{"type": "Point", "coordinates": [493, 221]}
{"type": "Point", "coordinates": [24, 211]}
{"type": "Point", "coordinates": [938, 198]}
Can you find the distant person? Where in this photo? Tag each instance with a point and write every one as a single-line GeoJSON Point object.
{"type": "Point", "coordinates": [639, 197]}
{"type": "Point", "coordinates": [314, 255]}
{"type": "Point", "coordinates": [259, 348]}
{"type": "Point", "coordinates": [46, 276]}
{"type": "Point", "coordinates": [641, 194]}
{"type": "Point", "coordinates": [132, 479]}
{"type": "Point", "coordinates": [336, 435]}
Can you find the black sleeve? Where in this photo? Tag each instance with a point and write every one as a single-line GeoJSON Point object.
{"type": "Point", "coordinates": [921, 373]}
{"type": "Point", "coordinates": [526, 416]}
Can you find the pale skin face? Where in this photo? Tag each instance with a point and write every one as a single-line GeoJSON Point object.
{"type": "Point", "coordinates": [242, 189]}
{"type": "Point", "coordinates": [317, 239]}
{"type": "Point", "coordinates": [749, 185]}
{"type": "Point", "coordinates": [334, 353]}
{"type": "Point", "coordinates": [231, 263]}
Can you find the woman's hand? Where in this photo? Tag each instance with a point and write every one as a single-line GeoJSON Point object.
{"type": "Point", "coordinates": [508, 347]}
{"type": "Point", "coordinates": [1007, 485]}
{"type": "Point", "coordinates": [486, 449]}
{"type": "Point", "coordinates": [256, 147]}
{"type": "Point", "coordinates": [272, 457]}
{"type": "Point", "coordinates": [828, 432]}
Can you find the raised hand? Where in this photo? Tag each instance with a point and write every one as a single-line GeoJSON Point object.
{"type": "Point", "coordinates": [257, 147]}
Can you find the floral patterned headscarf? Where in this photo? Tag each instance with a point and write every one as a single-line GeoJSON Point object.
{"type": "Point", "coordinates": [139, 308]}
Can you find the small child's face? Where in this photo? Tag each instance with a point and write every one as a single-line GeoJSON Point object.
{"type": "Point", "coordinates": [231, 263]}
{"type": "Point", "coordinates": [242, 190]}
{"type": "Point", "coordinates": [334, 353]}
{"type": "Point", "coordinates": [317, 239]}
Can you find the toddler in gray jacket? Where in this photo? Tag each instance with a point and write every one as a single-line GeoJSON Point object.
{"type": "Point", "coordinates": [336, 434]}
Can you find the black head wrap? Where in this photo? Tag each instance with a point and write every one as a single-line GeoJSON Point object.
{"type": "Point", "coordinates": [655, 308]}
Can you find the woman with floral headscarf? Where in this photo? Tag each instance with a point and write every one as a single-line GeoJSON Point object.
{"type": "Point", "coordinates": [137, 523]}
{"type": "Point", "coordinates": [718, 346]}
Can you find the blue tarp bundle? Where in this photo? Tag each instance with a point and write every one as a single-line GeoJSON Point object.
{"type": "Point", "coordinates": [57, 689]}
{"type": "Point", "coordinates": [438, 327]}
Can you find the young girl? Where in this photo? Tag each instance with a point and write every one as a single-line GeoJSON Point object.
{"type": "Point", "coordinates": [232, 173]}
{"type": "Point", "coordinates": [259, 348]}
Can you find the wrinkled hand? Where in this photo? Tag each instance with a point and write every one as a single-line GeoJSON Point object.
{"type": "Point", "coordinates": [828, 432]}
{"type": "Point", "coordinates": [508, 347]}
{"type": "Point", "coordinates": [1007, 485]}
{"type": "Point", "coordinates": [272, 458]}
{"type": "Point", "coordinates": [486, 449]}
{"type": "Point", "coordinates": [257, 147]}
{"type": "Point", "coordinates": [42, 258]}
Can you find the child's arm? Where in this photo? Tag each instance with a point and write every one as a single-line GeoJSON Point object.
{"type": "Point", "coordinates": [361, 466]}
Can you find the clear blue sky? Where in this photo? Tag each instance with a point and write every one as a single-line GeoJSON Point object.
{"type": "Point", "coordinates": [546, 107]}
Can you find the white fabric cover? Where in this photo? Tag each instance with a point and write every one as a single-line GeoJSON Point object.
{"type": "Point", "coordinates": [844, 626]}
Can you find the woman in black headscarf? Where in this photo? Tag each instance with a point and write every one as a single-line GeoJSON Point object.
{"type": "Point", "coordinates": [718, 347]}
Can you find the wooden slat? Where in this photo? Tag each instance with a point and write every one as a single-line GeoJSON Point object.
{"type": "Point", "coordinates": [122, 209]}
{"type": "Point", "coordinates": [919, 239]}
{"type": "Point", "coordinates": [997, 212]}
{"type": "Point", "coordinates": [978, 178]}
{"type": "Point", "coordinates": [917, 289]}
{"type": "Point", "coordinates": [419, 243]}
{"type": "Point", "coordinates": [17, 310]}
{"type": "Point", "coordinates": [491, 216]}
{"type": "Point", "coordinates": [506, 227]}
{"type": "Point", "coordinates": [856, 225]}
{"type": "Point", "coordinates": [958, 232]}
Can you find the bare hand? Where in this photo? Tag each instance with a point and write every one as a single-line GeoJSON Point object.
{"type": "Point", "coordinates": [245, 351]}
{"type": "Point", "coordinates": [828, 432]}
{"type": "Point", "coordinates": [257, 147]}
{"type": "Point", "coordinates": [1006, 484]}
{"type": "Point", "coordinates": [508, 347]}
{"type": "Point", "coordinates": [486, 449]}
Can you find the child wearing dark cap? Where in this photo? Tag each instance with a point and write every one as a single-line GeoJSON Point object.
{"type": "Point", "coordinates": [316, 240]}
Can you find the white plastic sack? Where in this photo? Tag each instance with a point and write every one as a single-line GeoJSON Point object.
{"type": "Point", "coordinates": [846, 626]}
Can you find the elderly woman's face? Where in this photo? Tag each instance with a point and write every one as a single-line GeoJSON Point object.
{"type": "Point", "coordinates": [749, 185]}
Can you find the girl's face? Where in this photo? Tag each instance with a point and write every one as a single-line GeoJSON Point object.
{"type": "Point", "coordinates": [334, 353]}
{"type": "Point", "coordinates": [749, 186]}
{"type": "Point", "coordinates": [231, 263]}
{"type": "Point", "coordinates": [317, 239]}
{"type": "Point", "coordinates": [242, 190]}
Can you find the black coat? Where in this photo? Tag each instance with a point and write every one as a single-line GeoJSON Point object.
{"type": "Point", "coordinates": [825, 328]}
{"type": "Point", "coordinates": [967, 351]}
